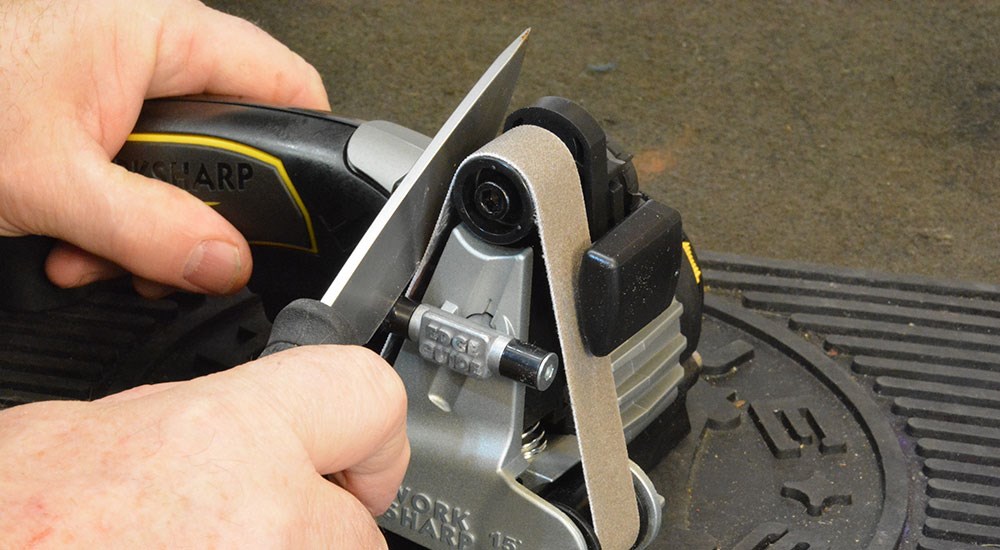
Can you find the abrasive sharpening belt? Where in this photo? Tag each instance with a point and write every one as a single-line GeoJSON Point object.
{"type": "Point", "coordinates": [548, 168]}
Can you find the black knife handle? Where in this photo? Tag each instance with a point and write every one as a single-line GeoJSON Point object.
{"type": "Point", "coordinates": [307, 322]}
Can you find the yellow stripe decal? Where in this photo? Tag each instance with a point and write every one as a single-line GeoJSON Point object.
{"type": "Point", "coordinates": [245, 150]}
{"type": "Point", "coordinates": [694, 265]}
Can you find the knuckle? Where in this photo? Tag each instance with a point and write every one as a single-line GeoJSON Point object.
{"type": "Point", "coordinates": [384, 379]}
{"type": "Point", "coordinates": [193, 416]}
{"type": "Point", "coordinates": [316, 79]}
{"type": "Point", "coordinates": [196, 412]}
{"type": "Point", "coordinates": [357, 369]}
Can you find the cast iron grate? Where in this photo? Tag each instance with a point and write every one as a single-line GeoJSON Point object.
{"type": "Point", "coordinates": [929, 350]}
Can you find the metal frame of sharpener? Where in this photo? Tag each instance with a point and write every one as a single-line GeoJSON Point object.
{"type": "Point", "coordinates": [478, 478]}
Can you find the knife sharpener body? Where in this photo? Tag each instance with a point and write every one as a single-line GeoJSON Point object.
{"type": "Point", "coordinates": [303, 187]}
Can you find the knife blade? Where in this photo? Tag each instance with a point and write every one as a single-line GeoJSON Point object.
{"type": "Point", "coordinates": [375, 274]}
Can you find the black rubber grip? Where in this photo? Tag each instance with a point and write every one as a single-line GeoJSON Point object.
{"type": "Point", "coordinates": [307, 322]}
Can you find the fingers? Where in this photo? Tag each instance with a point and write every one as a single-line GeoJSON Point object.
{"type": "Point", "coordinates": [207, 51]}
{"type": "Point", "coordinates": [69, 266]}
{"type": "Point", "coordinates": [151, 289]}
{"type": "Point", "coordinates": [369, 474]}
{"type": "Point", "coordinates": [354, 526]}
{"type": "Point", "coordinates": [154, 230]}
{"type": "Point", "coordinates": [287, 418]}
{"type": "Point", "coordinates": [165, 237]}
{"type": "Point", "coordinates": [346, 406]}
{"type": "Point", "coordinates": [57, 179]}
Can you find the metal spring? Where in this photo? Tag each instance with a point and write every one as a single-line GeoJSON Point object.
{"type": "Point", "coordinates": [533, 441]}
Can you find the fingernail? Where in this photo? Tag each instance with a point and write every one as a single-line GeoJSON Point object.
{"type": "Point", "coordinates": [213, 266]}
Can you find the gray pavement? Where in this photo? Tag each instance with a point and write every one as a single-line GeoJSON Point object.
{"type": "Point", "coordinates": [862, 134]}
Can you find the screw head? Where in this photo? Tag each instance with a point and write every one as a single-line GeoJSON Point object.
{"type": "Point", "coordinates": [548, 370]}
{"type": "Point", "coordinates": [492, 200]}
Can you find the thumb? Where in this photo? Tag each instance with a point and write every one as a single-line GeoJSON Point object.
{"type": "Point", "coordinates": [152, 229]}
{"type": "Point", "coordinates": [354, 526]}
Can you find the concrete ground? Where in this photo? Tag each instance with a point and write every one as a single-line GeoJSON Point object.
{"type": "Point", "coordinates": [861, 134]}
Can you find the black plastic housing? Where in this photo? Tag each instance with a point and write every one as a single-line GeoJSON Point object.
{"type": "Point", "coordinates": [586, 141]}
{"type": "Point", "coordinates": [514, 218]}
{"type": "Point", "coordinates": [279, 175]}
{"type": "Point", "coordinates": [629, 276]}
{"type": "Point", "coordinates": [25, 287]}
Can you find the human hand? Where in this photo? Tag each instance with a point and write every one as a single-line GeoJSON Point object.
{"type": "Point", "coordinates": [73, 76]}
{"type": "Point", "coordinates": [228, 460]}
